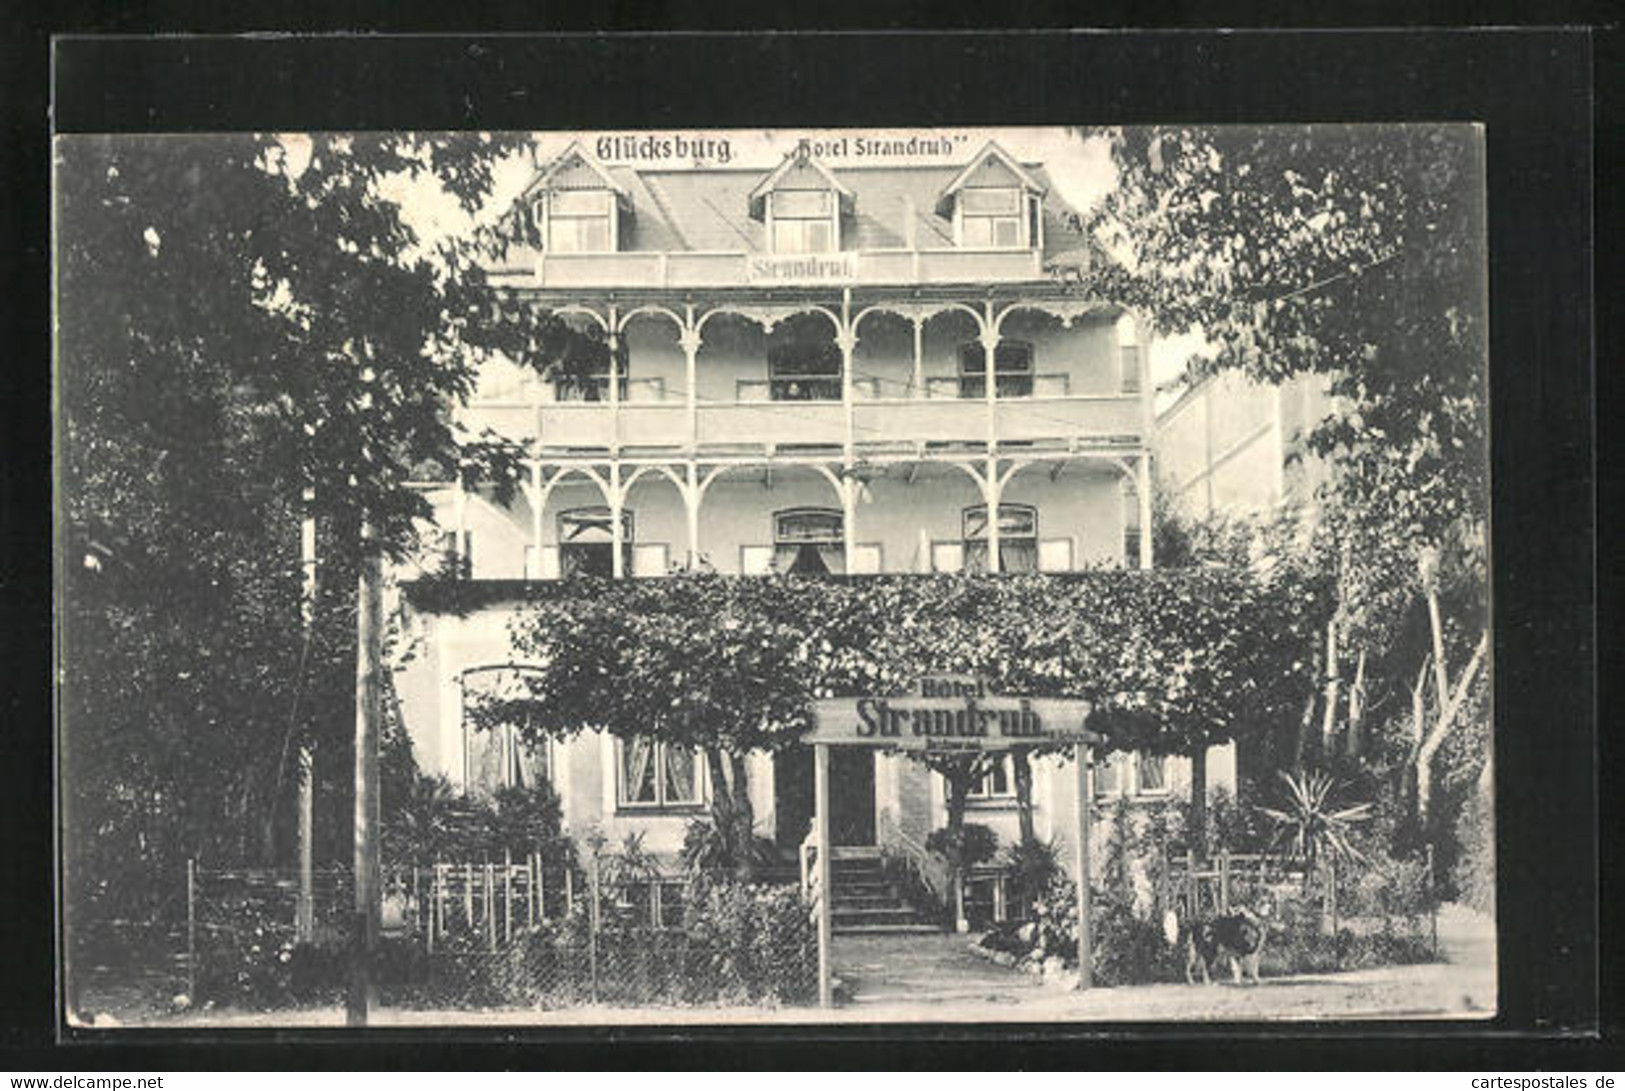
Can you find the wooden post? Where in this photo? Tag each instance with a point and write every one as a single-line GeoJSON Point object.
{"type": "Point", "coordinates": [305, 914]}
{"type": "Point", "coordinates": [569, 890]}
{"type": "Point", "coordinates": [532, 866]}
{"type": "Point", "coordinates": [434, 910]}
{"type": "Point", "coordinates": [368, 718]}
{"type": "Point", "coordinates": [490, 907]}
{"type": "Point", "coordinates": [468, 894]}
{"type": "Point", "coordinates": [541, 889]}
{"type": "Point", "coordinates": [826, 994]}
{"type": "Point", "coordinates": [1193, 889]}
{"type": "Point", "coordinates": [507, 895]}
{"type": "Point", "coordinates": [1085, 805]}
{"type": "Point", "coordinates": [1224, 880]}
{"type": "Point", "coordinates": [417, 902]}
{"type": "Point", "coordinates": [191, 929]}
{"type": "Point", "coordinates": [592, 922]}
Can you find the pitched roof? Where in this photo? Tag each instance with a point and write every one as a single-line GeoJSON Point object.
{"type": "Point", "coordinates": [990, 154]}
{"type": "Point", "coordinates": [797, 162]}
{"type": "Point", "coordinates": [709, 209]}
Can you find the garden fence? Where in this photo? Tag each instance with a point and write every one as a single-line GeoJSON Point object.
{"type": "Point", "coordinates": [509, 933]}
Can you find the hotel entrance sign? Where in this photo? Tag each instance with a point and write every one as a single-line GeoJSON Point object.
{"type": "Point", "coordinates": [950, 723]}
{"type": "Point", "coordinates": [945, 715]}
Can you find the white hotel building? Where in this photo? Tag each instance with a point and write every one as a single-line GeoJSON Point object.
{"type": "Point", "coordinates": [826, 369]}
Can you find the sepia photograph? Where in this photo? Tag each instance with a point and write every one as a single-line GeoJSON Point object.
{"type": "Point", "coordinates": [692, 576]}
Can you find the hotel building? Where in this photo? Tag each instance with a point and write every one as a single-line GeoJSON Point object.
{"type": "Point", "coordinates": [817, 370]}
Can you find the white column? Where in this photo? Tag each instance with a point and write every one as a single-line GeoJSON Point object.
{"type": "Point", "coordinates": [847, 339]}
{"type": "Point", "coordinates": [691, 506]}
{"type": "Point", "coordinates": [690, 342]}
{"type": "Point", "coordinates": [613, 338]}
{"type": "Point", "coordinates": [917, 383]}
{"type": "Point", "coordinates": [849, 513]}
{"type": "Point", "coordinates": [460, 547]}
{"type": "Point", "coordinates": [1080, 754]}
{"type": "Point", "coordinates": [617, 534]}
{"type": "Point", "coordinates": [990, 344]}
{"type": "Point", "coordinates": [990, 494]}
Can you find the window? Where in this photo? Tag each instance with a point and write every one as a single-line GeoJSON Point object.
{"type": "Point", "coordinates": [1018, 538]}
{"type": "Point", "coordinates": [804, 221]}
{"type": "Point", "coordinates": [808, 541]}
{"type": "Point", "coordinates": [586, 542]}
{"type": "Point", "coordinates": [1131, 524]}
{"type": "Point", "coordinates": [999, 782]}
{"type": "Point", "coordinates": [1131, 774]}
{"type": "Point", "coordinates": [1131, 369]}
{"type": "Point", "coordinates": [653, 774]}
{"type": "Point", "coordinates": [497, 707]}
{"type": "Point", "coordinates": [1012, 370]}
{"type": "Point", "coordinates": [804, 371]}
{"type": "Point", "coordinates": [990, 219]}
{"type": "Point", "coordinates": [579, 221]}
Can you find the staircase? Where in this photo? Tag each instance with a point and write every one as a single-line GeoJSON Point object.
{"type": "Point", "coordinates": [866, 901]}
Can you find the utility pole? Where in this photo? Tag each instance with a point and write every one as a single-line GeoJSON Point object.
{"type": "Point", "coordinates": [369, 667]}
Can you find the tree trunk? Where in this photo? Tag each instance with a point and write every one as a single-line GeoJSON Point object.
{"type": "Point", "coordinates": [744, 816]}
{"type": "Point", "coordinates": [368, 715]}
{"type": "Point", "coordinates": [1356, 720]}
{"type": "Point", "coordinates": [1022, 774]}
{"type": "Point", "coordinates": [1450, 708]}
{"type": "Point", "coordinates": [1198, 831]}
{"type": "Point", "coordinates": [1328, 719]}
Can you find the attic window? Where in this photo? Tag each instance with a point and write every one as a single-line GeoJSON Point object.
{"type": "Point", "coordinates": [579, 221]}
{"type": "Point", "coordinates": [990, 219]}
{"type": "Point", "coordinates": [804, 221]}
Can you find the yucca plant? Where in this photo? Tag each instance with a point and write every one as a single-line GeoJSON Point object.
{"type": "Point", "coordinates": [1313, 823]}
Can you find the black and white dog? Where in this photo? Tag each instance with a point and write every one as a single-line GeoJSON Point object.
{"type": "Point", "coordinates": [1237, 936]}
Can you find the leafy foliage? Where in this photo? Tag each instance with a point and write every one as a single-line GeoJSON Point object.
{"type": "Point", "coordinates": [972, 844]}
{"type": "Point", "coordinates": [1313, 824]}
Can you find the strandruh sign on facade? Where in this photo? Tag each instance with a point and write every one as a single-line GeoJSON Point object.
{"type": "Point", "coordinates": [948, 714]}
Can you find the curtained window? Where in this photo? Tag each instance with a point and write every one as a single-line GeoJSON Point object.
{"type": "Point", "coordinates": [653, 774]}
{"type": "Point", "coordinates": [808, 542]}
{"type": "Point", "coordinates": [803, 371]}
{"type": "Point", "coordinates": [804, 221]}
{"type": "Point", "coordinates": [1018, 538]}
{"type": "Point", "coordinates": [997, 783]}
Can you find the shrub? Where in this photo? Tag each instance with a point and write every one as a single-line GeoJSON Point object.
{"type": "Point", "coordinates": [1033, 866]}
{"type": "Point", "coordinates": [709, 849]}
{"type": "Point", "coordinates": [1474, 873]}
{"type": "Point", "coordinates": [976, 844]}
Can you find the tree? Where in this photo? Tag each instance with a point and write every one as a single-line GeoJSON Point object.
{"type": "Point", "coordinates": [1357, 254]}
{"type": "Point", "coordinates": [241, 317]}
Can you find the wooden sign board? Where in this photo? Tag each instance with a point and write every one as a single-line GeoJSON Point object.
{"type": "Point", "coordinates": [966, 722]}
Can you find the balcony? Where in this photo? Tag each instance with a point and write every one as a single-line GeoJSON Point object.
{"type": "Point", "coordinates": [524, 267]}
{"type": "Point", "coordinates": [752, 426]}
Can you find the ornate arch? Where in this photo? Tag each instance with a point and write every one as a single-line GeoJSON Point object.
{"type": "Point", "coordinates": [651, 309]}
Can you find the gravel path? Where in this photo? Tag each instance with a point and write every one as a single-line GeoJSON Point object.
{"type": "Point", "coordinates": [936, 979]}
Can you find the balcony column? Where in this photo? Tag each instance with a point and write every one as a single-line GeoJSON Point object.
{"type": "Point", "coordinates": [990, 495]}
{"type": "Point", "coordinates": [689, 339]}
{"type": "Point", "coordinates": [612, 337]}
{"type": "Point", "coordinates": [917, 380]}
{"type": "Point", "coordinates": [990, 344]}
{"type": "Point", "coordinates": [849, 514]}
{"type": "Point", "coordinates": [1143, 489]}
{"type": "Point", "coordinates": [847, 339]}
{"type": "Point", "coordinates": [691, 507]}
{"type": "Point", "coordinates": [617, 535]}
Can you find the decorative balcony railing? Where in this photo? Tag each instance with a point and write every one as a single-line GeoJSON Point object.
{"type": "Point", "coordinates": [867, 422]}
{"type": "Point", "coordinates": [699, 269]}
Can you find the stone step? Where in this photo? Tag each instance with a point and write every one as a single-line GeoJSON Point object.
{"type": "Point", "coordinates": [885, 929]}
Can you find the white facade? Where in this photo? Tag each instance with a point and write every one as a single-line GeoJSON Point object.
{"type": "Point", "coordinates": [853, 391]}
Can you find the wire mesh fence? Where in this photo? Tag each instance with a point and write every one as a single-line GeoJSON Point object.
{"type": "Point", "coordinates": [467, 935]}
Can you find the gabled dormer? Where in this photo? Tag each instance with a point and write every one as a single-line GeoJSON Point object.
{"type": "Point", "coordinates": [575, 206]}
{"type": "Point", "coordinates": [802, 206]}
{"type": "Point", "coordinates": [994, 203]}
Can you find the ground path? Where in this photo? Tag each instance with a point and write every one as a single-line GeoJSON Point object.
{"type": "Point", "coordinates": [937, 979]}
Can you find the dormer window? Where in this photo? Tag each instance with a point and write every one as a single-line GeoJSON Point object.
{"type": "Point", "coordinates": [995, 204]}
{"type": "Point", "coordinates": [805, 221]}
{"type": "Point", "coordinates": [578, 221]}
{"type": "Point", "coordinates": [990, 219]}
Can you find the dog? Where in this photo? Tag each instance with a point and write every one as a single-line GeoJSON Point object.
{"type": "Point", "coordinates": [1237, 936]}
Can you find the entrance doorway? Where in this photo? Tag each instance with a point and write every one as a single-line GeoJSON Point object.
{"type": "Point", "coordinates": [851, 796]}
